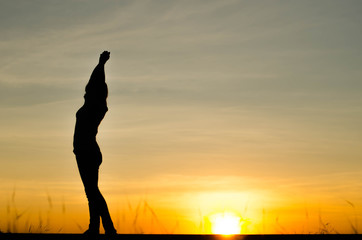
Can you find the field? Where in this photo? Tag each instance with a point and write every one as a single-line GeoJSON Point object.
{"type": "Point", "coordinates": [9, 236]}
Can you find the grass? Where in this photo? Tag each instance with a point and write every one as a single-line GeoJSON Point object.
{"type": "Point", "coordinates": [139, 219]}
{"type": "Point", "coordinates": [18, 221]}
{"type": "Point", "coordinates": [14, 216]}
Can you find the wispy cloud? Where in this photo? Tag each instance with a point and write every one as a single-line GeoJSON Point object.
{"type": "Point", "coordinates": [220, 92]}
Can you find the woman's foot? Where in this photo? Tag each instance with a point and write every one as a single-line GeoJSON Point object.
{"type": "Point", "coordinates": [91, 232]}
{"type": "Point", "coordinates": [111, 233]}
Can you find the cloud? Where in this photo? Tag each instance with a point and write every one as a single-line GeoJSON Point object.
{"type": "Point", "coordinates": [238, 87]}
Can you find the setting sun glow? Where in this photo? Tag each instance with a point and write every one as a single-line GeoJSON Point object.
{"type": "Point", "coordinates": [226, 223]}
{"type": "Point", "coordinates": [224, 117]}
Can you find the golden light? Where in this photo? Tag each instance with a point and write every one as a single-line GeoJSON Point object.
{"type": "Point", "coordinates": [225, 223]}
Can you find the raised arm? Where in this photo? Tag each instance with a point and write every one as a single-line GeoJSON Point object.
{"type": "Point", "coordinates": [96, 89]}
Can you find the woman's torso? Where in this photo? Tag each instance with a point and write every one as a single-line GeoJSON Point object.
{"type": "Point", "coordinates": [89, 118]}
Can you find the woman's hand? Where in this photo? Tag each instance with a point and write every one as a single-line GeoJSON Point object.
{"type": "Point", "coordinates": [103, 58]}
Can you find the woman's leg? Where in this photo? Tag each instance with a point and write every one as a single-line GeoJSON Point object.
{"type": "Point", "coordinates": [97, 204]}
{"type": "Point", "coordinates": [89, 176]}
{"type": "Point", "coordinates": [104, 213]}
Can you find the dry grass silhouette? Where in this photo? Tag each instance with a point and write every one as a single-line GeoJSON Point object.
{"type": "Point", "coordinates": [140, 218]}
{"type": "Point", "coordinates": [18, 221]}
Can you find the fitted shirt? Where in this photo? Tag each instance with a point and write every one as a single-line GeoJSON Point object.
{"type": "Point", "coordinates": [90, 115]}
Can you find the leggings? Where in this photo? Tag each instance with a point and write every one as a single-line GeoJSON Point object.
{"type": "Point", "coordinates": [88, 166]}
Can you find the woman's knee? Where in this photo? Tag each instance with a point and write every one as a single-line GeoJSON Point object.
{"type": "Point", "coordinates": [92, 192]}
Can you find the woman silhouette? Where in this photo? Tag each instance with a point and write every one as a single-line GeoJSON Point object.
{"type": "Point", "coordinates": [86, 149]}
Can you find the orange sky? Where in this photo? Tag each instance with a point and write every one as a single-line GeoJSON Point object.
{"type": "Point", "coordinates": [249, 107]}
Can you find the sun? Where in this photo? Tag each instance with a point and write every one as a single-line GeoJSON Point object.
{"type": "Point", "coordinates": [226, 223]}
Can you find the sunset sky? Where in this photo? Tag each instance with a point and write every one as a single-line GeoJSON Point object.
{"type": "Point", "coordinates": [250, 107]}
